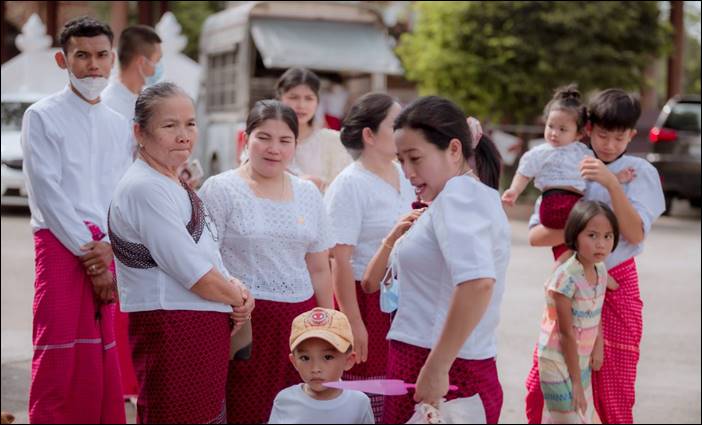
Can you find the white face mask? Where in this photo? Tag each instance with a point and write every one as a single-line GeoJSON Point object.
{"type": "Point", "coordinates": [89, 87]}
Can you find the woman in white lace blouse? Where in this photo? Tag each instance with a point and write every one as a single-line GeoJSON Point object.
{"type": "Point", "coordinates": [274, 233]}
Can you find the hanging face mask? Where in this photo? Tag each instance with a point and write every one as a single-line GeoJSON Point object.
{"type": "Point", "coordinates": [158, 73]}
{"type": "Point", "coordinates": [89, 87]}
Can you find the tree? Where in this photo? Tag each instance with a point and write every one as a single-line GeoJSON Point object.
{"type": "Point", "coordinates": [191, 15]}
{"type": "Point", "coordinates": [502, 60]}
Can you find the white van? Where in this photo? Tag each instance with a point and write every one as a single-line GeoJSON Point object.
{"type": "Point", "coordinates": [244, 49]}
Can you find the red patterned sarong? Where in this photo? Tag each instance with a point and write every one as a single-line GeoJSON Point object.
{"type": "Point", "coordinates": [622, 327]}
{"type": "Point", "coordinates": [555, 207]}
{"type": "Point", "coordinates": [180, 358]}
{"type": "Point", "coordinates": [377, 324]}
{"type": "Point", "coordinates": [471, 376]}
{"type": "Point", "coordinates": [253, 384]}
{"type": "Point", "coordinates": [75, 370]}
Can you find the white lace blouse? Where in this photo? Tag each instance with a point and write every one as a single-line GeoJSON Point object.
{"type": "Point", "coordinates": [264, 242]}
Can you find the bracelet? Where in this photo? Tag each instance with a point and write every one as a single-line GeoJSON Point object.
{"type": "Point", "coordinates": [385, 244]}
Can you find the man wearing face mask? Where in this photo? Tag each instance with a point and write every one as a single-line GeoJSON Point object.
{"type": "Point", "coordinates": [75, 151]}
{"type": "Point", "coordinates": [140, 65]}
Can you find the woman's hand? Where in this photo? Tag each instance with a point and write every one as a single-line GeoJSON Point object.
{"type": "Point", "coordinates": [432, 384]}
{"type": "Point", "coordinates": [403, 225]}
{"type": "Point", "coordinates": [241, 314]}
{"type": "Point", "coordinates": [360, 341]}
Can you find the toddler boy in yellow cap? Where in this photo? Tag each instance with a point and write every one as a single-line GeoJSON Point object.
{"type": "Point", "coordinates": [321, 349]}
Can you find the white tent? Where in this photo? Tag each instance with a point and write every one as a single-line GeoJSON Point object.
{"type": "Point", "coordinates": [33, 73]}
{"type": "Point", "coordinates": [177, 67]}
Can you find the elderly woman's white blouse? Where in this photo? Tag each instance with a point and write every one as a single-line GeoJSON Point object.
{"type": "Point", "coordinates": [150, 209]}
{"type": "Point", "coordinates": [264, 242]}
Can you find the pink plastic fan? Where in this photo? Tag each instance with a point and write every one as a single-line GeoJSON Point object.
{"type": "Point", "coordinates": [377, 386]}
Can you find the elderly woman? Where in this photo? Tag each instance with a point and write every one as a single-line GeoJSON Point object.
{"type": "Point", "coordinates": [171, 278]}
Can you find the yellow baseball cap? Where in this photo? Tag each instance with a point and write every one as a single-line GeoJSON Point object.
{"type": "Point", "coordinates": [330, 325]}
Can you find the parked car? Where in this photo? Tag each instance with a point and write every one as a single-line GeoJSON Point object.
{"type": "Point", "coordinates": [676, 149]}
{"type": "Point", "coordinates": [14, 192]}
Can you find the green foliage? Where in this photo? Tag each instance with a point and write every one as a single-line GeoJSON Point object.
{"type": "Point", "coordinates": [502, 60]}
{"type": "Point", "coordinates": [191, 15]}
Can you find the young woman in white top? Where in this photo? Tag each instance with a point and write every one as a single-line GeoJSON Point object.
{"type": "Point", "coordinates": [170, 275]}
{"type": "Point", "coordinates": [320, 155]}
{"type": "Point", "coordinates": [450, 264]}
{"type": "Point", "coordinates": [364, 202]}
{"type": "Point", "coordinates": [274, 232]}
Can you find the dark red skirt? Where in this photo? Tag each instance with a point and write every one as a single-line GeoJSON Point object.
{"type": "Point", "coordinates": [253, 384]}
{"type": "Point", "coordinates": [555, 207]}
{"type": "Point", "coordinates": [471, 376]}
{"type": "Point", "coordinates": [180, 358]}
{"type": "Point", "coordinates": [377, 324]}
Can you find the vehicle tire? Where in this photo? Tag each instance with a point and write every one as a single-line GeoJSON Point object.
{"type": "Point", "coordinates": [696, 202]}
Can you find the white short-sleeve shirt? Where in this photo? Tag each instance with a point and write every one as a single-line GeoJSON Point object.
{"type": "Point", "coordinates": [152, 210]}
{"type": "Point", "coordinates": [463, 235]}
{"type": "Point", "coordinates": [264, 242]}
{"type": "Point", "coordinates": [293, 406]}
{"type": "Point", "coordinates": [363, 208]}
{"type": "Point", "coordinates": [555, 166]}
{"type": "Point", "coordinates": [645, 194]}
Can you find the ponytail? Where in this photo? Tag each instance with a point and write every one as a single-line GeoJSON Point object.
{"type": "Point", "coordinates": [488, 162]}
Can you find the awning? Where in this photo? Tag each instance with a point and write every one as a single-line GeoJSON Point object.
{"type": "Point", "coordinates": [324, 46]}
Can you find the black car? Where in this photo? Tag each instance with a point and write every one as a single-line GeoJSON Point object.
{"type": "Point", "coordinates": [676, 149]}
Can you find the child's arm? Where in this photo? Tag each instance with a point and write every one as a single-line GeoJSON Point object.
{"type": "Point", "coordinates": [630, 222]}
{"type": "Point", "coordinates": [519, 183]}
{"type": "Point", "coordinates": [597, 357]}
{"type": "Point", "coordinates": [569, 345]}
{"type": "Point", "coordinates": [612, 284]}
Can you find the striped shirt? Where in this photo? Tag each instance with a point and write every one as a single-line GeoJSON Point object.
{"type": "Point", "coordinates": [569, 280]}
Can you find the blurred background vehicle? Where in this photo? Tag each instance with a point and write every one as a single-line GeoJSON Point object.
{"type": "Point", "coordinates": [675, 152]}
{"type": "Point", "coordinates": [14, 192]}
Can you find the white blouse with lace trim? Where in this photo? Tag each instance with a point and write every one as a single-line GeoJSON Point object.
{"type": "Point", "coordinates": [264, 242]}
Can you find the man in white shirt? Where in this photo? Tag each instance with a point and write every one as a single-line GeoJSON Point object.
{"type": "Point", "coordinates": [75, 151]}
{"type": "Point", "coordinates": [140, 65]}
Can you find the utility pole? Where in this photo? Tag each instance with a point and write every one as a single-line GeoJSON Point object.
{"type": "Point", "coordinates": [675, 60]}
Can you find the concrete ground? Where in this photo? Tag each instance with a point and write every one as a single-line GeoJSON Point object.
{"type": "Point", "coordinates": [668, 387]}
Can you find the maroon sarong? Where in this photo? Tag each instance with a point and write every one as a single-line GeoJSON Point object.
{"type": "Point", "coordinates": [253, 384]}
{"type": "Point", "coordinates": [180, 358]}
{"type": "Point", "coordinates": [471, 376]}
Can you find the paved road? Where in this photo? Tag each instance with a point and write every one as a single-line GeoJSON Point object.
{"type": "Point", "coordinates": [668, 387]}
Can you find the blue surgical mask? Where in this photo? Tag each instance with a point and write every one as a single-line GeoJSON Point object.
{"type": "Point", "coordinates": [158, 73]}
